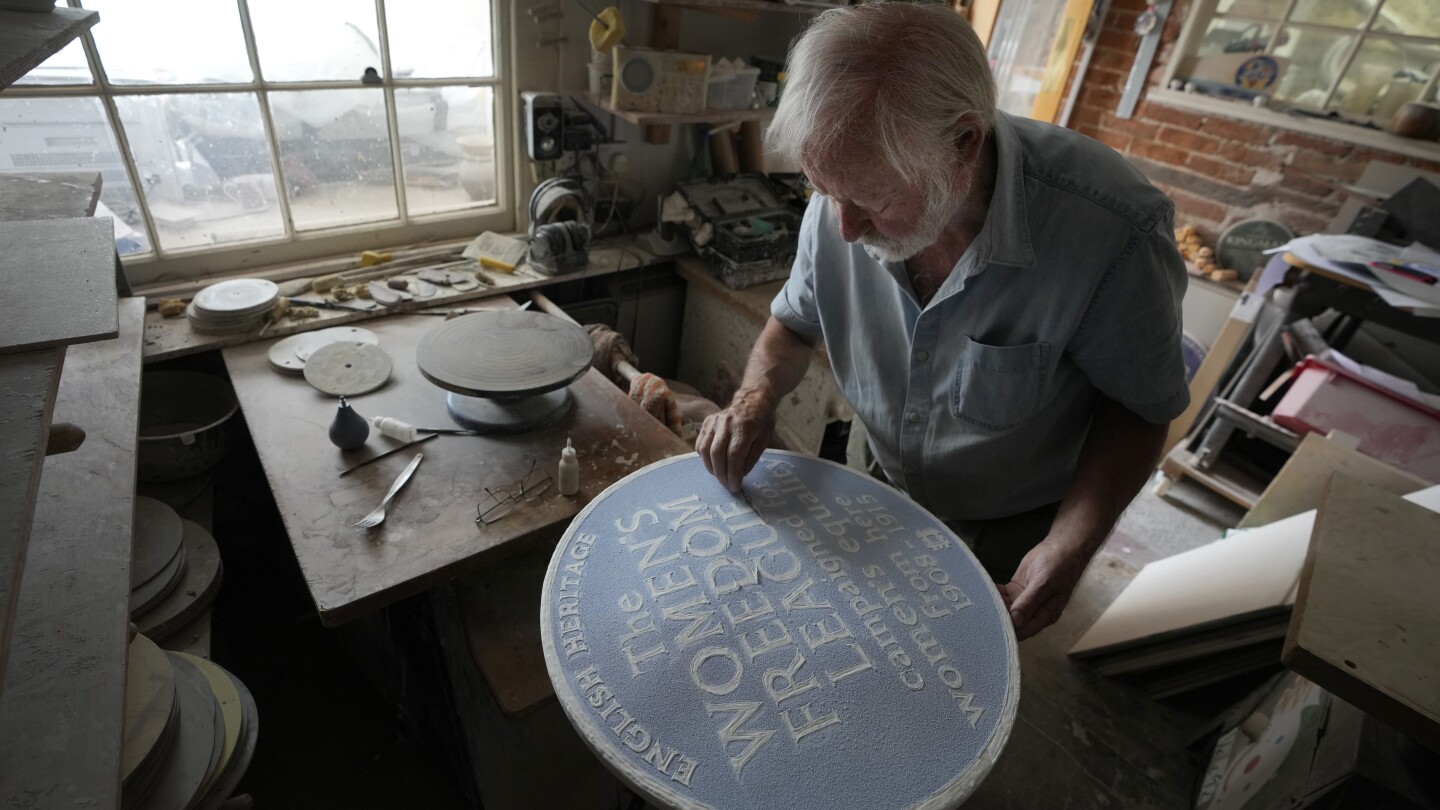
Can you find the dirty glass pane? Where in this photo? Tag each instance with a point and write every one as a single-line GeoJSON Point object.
{"type": "Point", "coordinates": [299, 42]}
{"type": "Point", "coordinates": [447, 147]}
{"type": "Point", "coordinates": [440, 40]}
{"type": "Point", "coordinates": [1339, 13]}
{"type": "Point", "coordinates": [1315, 58]}
{"type": "Point", "coordinates": [164, 42]}
{"type": "Point", "coordinates": [1420, 18]}
{"type": "Point", "coordinates": [335, 152]}
{"type": "Point", "coordinates": [205, 165]}
{"type": "Point", "coordinates": [1264, 9]}
{"type": "Point", "coordinates": [1384, 76]}
{"type": "Point", "coordinates": [1234, 36]}
{"type": "Point", "coordinates": [68, 66]}
{"type": "Point", "coordinates": [39, 135]}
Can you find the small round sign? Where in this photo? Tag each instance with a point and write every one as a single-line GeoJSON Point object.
{"type": "Point", "coordinates": [818, 641]}
{"type": "Point", "coordinates": [1242, 246]}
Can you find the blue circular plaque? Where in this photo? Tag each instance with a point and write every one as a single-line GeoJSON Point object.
{"type": "Point", "coordinates": [818, 642]}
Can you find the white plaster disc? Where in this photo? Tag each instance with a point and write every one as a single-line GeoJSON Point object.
{"type": "Point", "coordinates": [311, 341]}
{"type": "Point", "coordinates": [283, 358]}
{"type": "Point", "coordinates": [241, 295]}
{"type": "Point", "coordinates": [347, 369]}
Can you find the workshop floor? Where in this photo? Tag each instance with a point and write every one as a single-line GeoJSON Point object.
{"type": "Point", "coordinates": [329, 739]}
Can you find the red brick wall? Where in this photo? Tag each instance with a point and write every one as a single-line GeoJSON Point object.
{"type": "Point", "coordinates": [1218, 170]}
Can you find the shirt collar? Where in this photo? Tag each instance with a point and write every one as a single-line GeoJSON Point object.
{"type": "Point", "coordinates": [1006, 233]}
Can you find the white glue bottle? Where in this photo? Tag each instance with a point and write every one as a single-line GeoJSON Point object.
{"type": "Point", "coordinates": [394, 428]}
{"type": "Point", "coordinates": [569, 470]}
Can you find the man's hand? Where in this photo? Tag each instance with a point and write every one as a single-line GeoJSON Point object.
{"type": "Point", "coordinates": [731, 441]}
{"type": "Point", "coordinates": [1042, 585]}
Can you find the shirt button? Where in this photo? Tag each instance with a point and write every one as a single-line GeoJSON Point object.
{"type": "Point", "coordinates": [913, 417]}
{"type": "Point", "coordinates": [921, 356]}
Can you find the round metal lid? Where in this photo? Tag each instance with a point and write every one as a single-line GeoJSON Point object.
{"type": "Point", "coordinates": [504, 354]}
{"type": "Point", "coordinates": [834, 646]}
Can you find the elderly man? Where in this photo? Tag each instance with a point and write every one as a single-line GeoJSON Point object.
{"type": "Point", "coordinates": [999, 298]}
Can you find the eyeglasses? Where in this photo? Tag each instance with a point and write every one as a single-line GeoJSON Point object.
{"type": "Point", "coordinates": [501, 502]}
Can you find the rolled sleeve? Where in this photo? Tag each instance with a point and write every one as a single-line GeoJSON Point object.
{"type": "Point", "coordinates": [1128, 343]}
{"type": "Point", "coordinates": [795, 306]}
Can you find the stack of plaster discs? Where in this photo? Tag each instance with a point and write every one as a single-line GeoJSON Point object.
{"type": "Point", "coordinates": [175, 570]}
{"type": "Point", "coordinates": [190, 730]}
{"type": "Point", "coordinates": [288, 355]}
{"type": "Point", "coordinates": [232, 307]}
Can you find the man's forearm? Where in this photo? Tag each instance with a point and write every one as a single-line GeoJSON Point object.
{"type": "Point", "coordinates": [1117, 458]}
{"type": "Point", "coordinates": [776, 365]}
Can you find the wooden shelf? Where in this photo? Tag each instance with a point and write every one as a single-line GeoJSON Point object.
{"type": "Point", "coordinates": [778, 7]}
{"type": "Point", "coordinates": [62, 708]}
{"type": "Point", "coordinates": [646, 119]}
{"type": "Point", "coordinates": [28, 38]}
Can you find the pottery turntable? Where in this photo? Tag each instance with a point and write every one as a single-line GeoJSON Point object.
{"type": "Point", "coordinates": [506, 371]}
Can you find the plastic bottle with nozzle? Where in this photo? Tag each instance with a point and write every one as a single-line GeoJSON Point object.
{"type": "Point", "coordinates": [569, 473]}
{"type": "Point", "coordinates": [394, 428]}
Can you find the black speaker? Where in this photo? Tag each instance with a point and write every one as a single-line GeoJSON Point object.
{"type": "Point", "coordinates": [544, 125]}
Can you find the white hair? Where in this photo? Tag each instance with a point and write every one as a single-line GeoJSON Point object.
{"type": "Point", "coordinates": [907, 77]}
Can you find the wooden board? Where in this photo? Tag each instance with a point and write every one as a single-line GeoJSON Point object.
{"type": "Point", "coordinates": [502, 628]}
{"type": "Point", "coordinates": [1299, 483]}
{"type": "Point", "coordinates": [28, 383]}
{"type": "Point", "coordinates": [28, 38]}
{"type": "Point", "coordinates": [1364, 622]}
{"type": "Point", "coordinates": [64, 691]}
{"type": "Point", "coordinates": [167, 338]}
{"type": "Point", "coordinates": [430, 534]}
{"type": "Point", "coordinates": [48, 196]}
{"type": "Point", "coordinates": [59, 281]}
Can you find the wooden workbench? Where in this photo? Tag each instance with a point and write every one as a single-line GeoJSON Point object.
{"type": "Point", "coordinates": [430, 535]}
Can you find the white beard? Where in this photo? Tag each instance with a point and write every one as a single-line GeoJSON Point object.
{"type": "Point", "coordinates": [938, 214]}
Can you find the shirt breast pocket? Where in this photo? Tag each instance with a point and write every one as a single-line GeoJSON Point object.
{"type": "Point", "coordinates": [998, 387]}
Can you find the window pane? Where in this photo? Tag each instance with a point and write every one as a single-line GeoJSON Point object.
{"type": "Point", "coordinates": [1383, 77]}
{"type": "Point", "coordinates": [301, 42]}
{"type": "Point", "coordinates": [1415, 17]}
{"type": "Point", "coordinates": [1235, 36]}
{"type": "Point", "coordinates": [205, 165]}
{"type": "Point", "coordinates": [1341, 13]}
{"type": "Point", "coordinates": [447, 147]}
{"type": "Point", "coordinates": [1316, 58]}
{"type": "Point", "coordinates": [422, 48]}
{"type": "Point", "coordinates": [1265, 9]}
{"type": "Point", "coordinates": [335, 150]}
{"type": "Point", "coordinates": [66, 67]}
{"type": "Point", "coordinates": [161, 42]}
{"type": "Point", "coordinates": [39, 135]}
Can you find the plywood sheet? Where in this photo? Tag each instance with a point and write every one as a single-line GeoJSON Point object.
{"type": "Point", "coordinates": [1239, 577]}
{"type": "Point", "coordinates": [48, 196]}
{"type": "Point", "coordinates": [430, 534]}
{"type": "Point", "coordinates": [58, 278]}
{"type": "Point", "coordinates": [29, 38]}
{"type": "Point", "coordinates": [1297, 487]}
{"type": "Point", "coordinates": [27, 395]}
{"type": "Point", "coordinates": [1364, 623]}
{"type": "Point", "coordinates": [64, 691]}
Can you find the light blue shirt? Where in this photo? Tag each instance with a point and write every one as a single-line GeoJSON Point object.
{"type": "Point", "coordinates": [977, 404]}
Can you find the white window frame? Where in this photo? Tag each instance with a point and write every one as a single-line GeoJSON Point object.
{"type": "Point", "coordinates": [1196, 23]}
{"type": "Point", "coordinates": [160, 265]}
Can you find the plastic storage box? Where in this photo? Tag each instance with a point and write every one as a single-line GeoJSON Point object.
{"type": "Point", "coordinates": [732, 89]}
{"type": "Point", "coordinates": [1394, 429]}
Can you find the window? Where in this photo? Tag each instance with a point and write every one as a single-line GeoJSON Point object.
{"type": "Point", "coordinates": [1357, 61]}
{"type": "Point", "coordinates": [236, 132]}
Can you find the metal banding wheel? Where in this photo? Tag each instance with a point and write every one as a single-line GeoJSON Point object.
{"type": "Point", "coordinates": [506, 371]}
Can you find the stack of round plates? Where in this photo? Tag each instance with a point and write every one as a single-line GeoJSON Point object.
{"type": "Point", "coordinates": [157, 563]}
{"type": "Point", "coordinates": [192, 595]}
{"type": "Point", "coordinates": [288, 355]}
{"type": "Point", "coordinates": [232, 307]}
{"type": "Point", "coordinates": [190, 730]}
